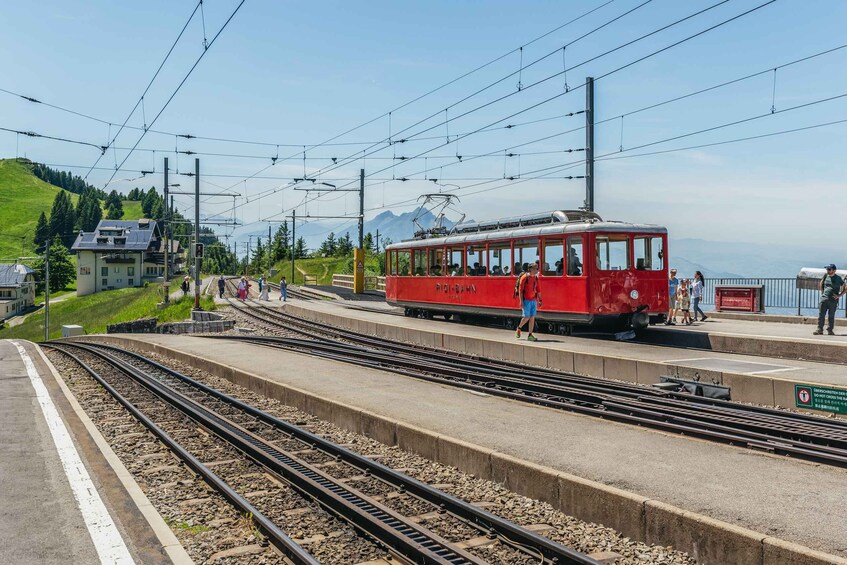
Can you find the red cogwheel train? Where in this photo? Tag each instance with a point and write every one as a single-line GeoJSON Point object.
{"type": "Point", "coordinates": [607, 274]}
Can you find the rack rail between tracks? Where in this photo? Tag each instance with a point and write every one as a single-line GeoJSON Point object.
{"type": "Point", "coordinates": [775, 431]}
{"type": "Point", "coordinates": [405, 537]}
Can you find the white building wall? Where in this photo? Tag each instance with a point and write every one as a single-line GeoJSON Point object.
{"type": "Point", "coordinates": [85, 273]}
{"type": "Point", "coordinates": [107, 276]}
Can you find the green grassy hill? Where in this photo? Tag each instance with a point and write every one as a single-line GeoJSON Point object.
{"type": "Point", "coordinates": [322, 267]}
{"type": "Point", "coordinates": [132, 210]}
{"type": "Point", "coordinates": [22, 199]}
{"type": "Point", "coordinates": [95, 311]}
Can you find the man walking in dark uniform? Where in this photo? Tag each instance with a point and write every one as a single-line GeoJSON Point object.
{"type": "Point", "coordinates": [832, 287]}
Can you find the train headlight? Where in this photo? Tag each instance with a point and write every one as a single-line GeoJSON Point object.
{"type": "Point", "coordinates": [633, 294]}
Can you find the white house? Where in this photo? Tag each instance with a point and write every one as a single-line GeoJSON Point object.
{"type": "Point", "coordinates": [118, 254]}
{"type": "Point", "coordinates": [17, 289]}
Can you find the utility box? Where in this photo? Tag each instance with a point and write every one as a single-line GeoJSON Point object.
{"type": "Point", "coordinates": [740, 298]}
{"type": "Point", "coordinates": [72, 330]}
{"type": "Point", "coordinates": [810, 277]}
{"type": "Point", "coordinates": [358, 271]}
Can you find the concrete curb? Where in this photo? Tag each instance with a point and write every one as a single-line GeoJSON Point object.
{"type": "Point", "coordinates": [708, 540]}
{"type": "Point", "coordinates": [766, 390]}
{"type": "Point", "coordinates": [174, 549]}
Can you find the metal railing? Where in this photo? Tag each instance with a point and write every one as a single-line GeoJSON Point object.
{"type": "Point", "coordinates": [371, 282]}
{"type": "Point", "coordinates": [781, 295]}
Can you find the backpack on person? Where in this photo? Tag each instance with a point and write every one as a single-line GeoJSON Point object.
{"type": "Point", "coordinates": [518, 285]}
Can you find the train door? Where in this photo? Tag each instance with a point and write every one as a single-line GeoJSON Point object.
{"type": "Point", "coordinates": [612, 273]}
{"type": "Point", "coordinates": [648, 251]}
{"type": "Point", "coordinates": [576, 277]}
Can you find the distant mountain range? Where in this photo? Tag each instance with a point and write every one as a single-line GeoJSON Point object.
{"type": "Point", "coordinates": [714, 259]}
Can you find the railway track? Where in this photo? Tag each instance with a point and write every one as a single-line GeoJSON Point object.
{"type": "Point", "coordinates": [764, 429]}
{"type": "Point", "coordinates": [304, 461]}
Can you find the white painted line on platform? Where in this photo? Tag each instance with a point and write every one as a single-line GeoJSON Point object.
{"type": "Point", "coordinates": [692, 359]}
{"type": "Point", "coordinates": [775, 370]}
{"type": "Point", "coordinates": [107, 540]}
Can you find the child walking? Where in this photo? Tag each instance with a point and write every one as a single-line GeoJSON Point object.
{"type": "Point", "coordinates": [683, 302]}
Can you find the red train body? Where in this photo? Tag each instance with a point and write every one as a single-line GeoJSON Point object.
{"type": "Point", "coordinates": [593, 272]}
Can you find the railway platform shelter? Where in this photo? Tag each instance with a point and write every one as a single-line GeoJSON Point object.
{"type": "Point", "coordinates": [64, 495]}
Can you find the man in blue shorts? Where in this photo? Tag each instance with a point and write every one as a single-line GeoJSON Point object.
{"type": "Point", "coordinates": [529, 297]}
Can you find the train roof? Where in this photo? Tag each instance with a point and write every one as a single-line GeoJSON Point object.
{"type": "Point", "coordinates": [557, 222]}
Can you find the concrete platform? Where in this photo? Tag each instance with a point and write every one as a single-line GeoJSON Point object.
{"type": "Point", "coordinates": [760, 379]}
{"type": "Point", "coordinates": [64, 495]}
{"type": "Point", "coordinates": [722, 504]}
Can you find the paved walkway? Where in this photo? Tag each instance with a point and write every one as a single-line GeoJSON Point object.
{"type": "Point", "coordinates": [49, 509]}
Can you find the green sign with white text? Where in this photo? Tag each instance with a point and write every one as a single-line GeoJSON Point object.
{"type": "Point", "coordinates": [820, 398]}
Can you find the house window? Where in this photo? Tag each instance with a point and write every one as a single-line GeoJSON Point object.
{"type": "Point", "coordinates": [104, 271]}
{"type": "Point", "coordinates": [85, 270]}
{"type": "Point", "coordinates": [117, 270]}
{"type": "Point", "coordinates": [104, 282]}
{"type": "Point", "coordinates": [130, 271]}
{"type": "Point", "coordinates": [131, 282]}
{"type": "Point", "coordinates": [119, 281]}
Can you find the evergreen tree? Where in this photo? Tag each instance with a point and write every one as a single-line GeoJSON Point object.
{"type": "Point", "coordinates": [134, 194]}
{"type": "Point", "coordinates": [42, 232]}
{"type": "Point", "coordinates": [300, 248]}
{"type": "Point", "coordinates": [281, 243]}
{"type": "Point", "coordinates": [61, 268]}
{"type": "Point", "coordinates": [88, 211]}
{"type": "Point", "coordinates": [62, 217]}
{"type": "Point", "coordinates": [148, 202]}
{"type": "Point", "coordinates": [329, 247]}
{"type": "Point", "coordinates": [114, 206]}
{"type": "Point", "coordinates": [345, 246]}
{"type": "Point", "coordinates": [158, 211]}
{"type": "Point", "coordinates": [368, 242]}
{"type": "Point", "coordinates": [260, 260]}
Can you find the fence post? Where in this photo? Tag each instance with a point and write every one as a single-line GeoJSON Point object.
{"type": "Point", "coordinates": [798, 301]}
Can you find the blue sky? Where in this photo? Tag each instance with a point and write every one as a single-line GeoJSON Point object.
{"type": "Point", "coordinates": [300, 73]}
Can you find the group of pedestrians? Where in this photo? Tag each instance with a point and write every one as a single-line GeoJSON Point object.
{"type": "Point", "coordinates": [243, 288]}
{"type": "Point", "coordinates": [682, 294]}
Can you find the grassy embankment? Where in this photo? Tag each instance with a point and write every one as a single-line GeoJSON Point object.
{"type": "Point", "coordinates": [95, 311]}
{"type": "Point", "coordinates": [323, 268]}
{"type": "Point", "coordinates": [132, 210]}
{"type": "Point", "coordinates": [23, 197]}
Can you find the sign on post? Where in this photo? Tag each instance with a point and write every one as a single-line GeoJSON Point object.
{"type": "Point", "coordinates": [821, 398]}
{"type": "Point", "coordinates": [198, 250]}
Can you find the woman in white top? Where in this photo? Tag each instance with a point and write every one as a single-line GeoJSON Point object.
{"type": "Point", "coordinates": [698, 287]}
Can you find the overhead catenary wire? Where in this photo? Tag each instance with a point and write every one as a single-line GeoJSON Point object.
{"type": "Point", "coordinates": [149, 84]}
{"type": "Point", "coordinates": [100, 148]}
{"type": "Point", "coordinates": [185, 78]}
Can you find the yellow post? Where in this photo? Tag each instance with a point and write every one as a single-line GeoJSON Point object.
{"type": "Point", "coordinates": [358, 271]}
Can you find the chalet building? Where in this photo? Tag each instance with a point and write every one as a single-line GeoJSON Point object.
{"type": "Point", "coordinates": [17, 289]}
{"type": "Point", "coordinates": [121, 254]}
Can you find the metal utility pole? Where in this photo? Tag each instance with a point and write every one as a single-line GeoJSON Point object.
{"type": "Point", "coordinates": [270, 260]}
{"type": "Point", "coordinates": [361, 207]}
{"type": "Point", "coordinates": [293, 242]}
{"type": "Point", "coordinates": [377, 240]}
{"type": "Point", "coordinates": [589, 144]}
{"type": "Point", "coordinates": [167, 243]}
{"type": "Point", "coordinates": [197, 260]}
{"type": "Point", "coordinates": [47, 291]}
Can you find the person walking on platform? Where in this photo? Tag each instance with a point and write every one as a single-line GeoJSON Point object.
{"type": "Point", "coordinates": [263, 294]}
{"type": "Point", "coordinates": [698, 287]}
{"type": "Point", "coordinates": [185, 286]}
{"type": "Point", "coordinates": [283, 291]}
{"type": "Point", "coordinates": [261, 283]}
{"type": "Point", "coordinates": [221, 286]}
{"type": "Point", "coordinates": [832, 288]}
{"type": "Point", "coordinates": [529, 297]}
{"type": "Point", "coordinates": [673, 285]}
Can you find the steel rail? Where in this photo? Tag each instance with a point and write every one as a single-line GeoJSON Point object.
{"type": "Point", "coordinates": [486, 521]}
{"type": "Point", "coordinates": [285, 544]}
{"type": "Point", "coordinates": [681, 417]}
{"type": "Point", "coordinates": [364, 513]}
{"type": "Point", "coordinates": [506, 368]}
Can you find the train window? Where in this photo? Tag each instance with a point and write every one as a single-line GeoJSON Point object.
{"type": "Point", "coordinates": [436, 261]}
{"type": "Point", "coordinates": [649, 254]}
{"type": "Point", "coordinates": [612, 252]}
{"type": "Point", "coordinates": [454, 261]}
{"type": "Point", "coordinates": [575, 256]}
{"type": "Point", "coordinates": [526, 252]}
{"type": "Point", "coordinates": [403, 264]}
{"type": "Point", "coordinates": [554, 262]}
{"type": "Point", "coordinates": [476, 261]}
{"type": "Point", "coordinates": [419, 263]}
{"type": "Point", "coordinates": [500, 258]}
